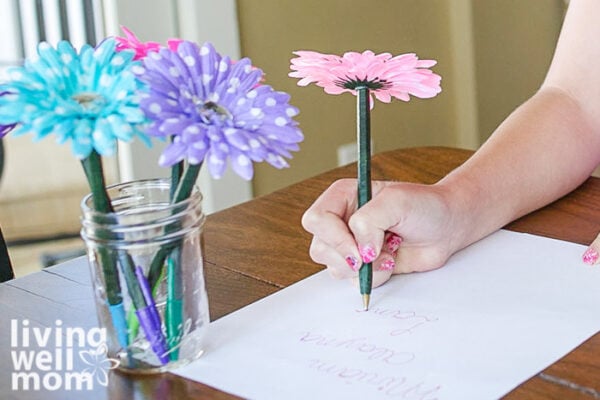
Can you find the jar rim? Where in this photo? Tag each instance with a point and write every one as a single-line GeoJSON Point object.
{"type": "Point", "coordinates": [142, 213]}
{"type": "Point", "coordinates": [152, 183]}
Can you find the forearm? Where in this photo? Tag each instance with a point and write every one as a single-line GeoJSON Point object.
{"type": "Point", "coordinates": [545, 149]}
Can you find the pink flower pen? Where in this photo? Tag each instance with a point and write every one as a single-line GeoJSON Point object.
{"type": "Point", "coordinates": [365, 75]}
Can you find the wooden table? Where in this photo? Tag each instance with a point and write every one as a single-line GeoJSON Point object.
{"type": "Point", "coordinates": [259, 247]}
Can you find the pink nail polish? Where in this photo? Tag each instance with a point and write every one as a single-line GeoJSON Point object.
{"type": "Point", "coordinates": [387, 265]}
{"type": "Point", "coordinates": [590, 256]}
{"type": "Point", "coordinates": [352, 263]}
{"type": "Point", "coordinates": [393, 242]}
{"type": "Point", "coordinates": [368, 254]}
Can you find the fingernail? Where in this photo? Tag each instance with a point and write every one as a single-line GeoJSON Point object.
{"type": "Point", "coordinates": [352, 263]}
{"type": "Point", "coordinates": [387, 265]}
{"type": "Point", "coordinates": [590, 256]}
{"type": "Point", "coordinates": [368, 254]}
{"type": "Point", "coordinates": [393, 242]}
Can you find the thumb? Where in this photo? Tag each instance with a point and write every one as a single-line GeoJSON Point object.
{"type": "Point", "coordinates": [368, 236]}
{"type": "Point", "coordinates": [370, 223]}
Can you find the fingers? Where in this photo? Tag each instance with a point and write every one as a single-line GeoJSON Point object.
{"type": "Point", "coordinates": [591, 255]}
{"type": "Point", "coordinates": [326, 220]}
{"type": "Point", "coordinates": [403, 228]}
{"type": "Point", "coordinates": [341, 268]}
{"type": "Point", "coordinates": [323, 254]}
{"type": "Point", "coordinates": [387, 257]}
{"type": "Point", "coordinates": [417, 215]}
{"type": "Point", "coordinates": [370, 223]}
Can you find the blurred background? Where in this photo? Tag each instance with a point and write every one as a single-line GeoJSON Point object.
{"type": "Point", "coordinates": [492, 55]}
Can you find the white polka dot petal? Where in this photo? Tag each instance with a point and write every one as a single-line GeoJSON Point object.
{"type": "Point", "coordinates": [189, 61]}
{"type": "Point", "coordinates": [243, 160]}
{"type": "Point", "coordinates": [155, 108]}
{"type": "Point", "coordinates": [223, 66]}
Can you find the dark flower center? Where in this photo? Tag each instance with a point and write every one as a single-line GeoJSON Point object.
{"type": "Point", "coordinates": [209, 111]}
{"type": "Point", "coordinates": [372, 84]}
{"type": "Point", "coordinates": [92, 102]}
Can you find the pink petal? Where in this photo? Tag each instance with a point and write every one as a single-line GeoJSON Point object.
{"type": "Point", "coordinates": [402, 76]}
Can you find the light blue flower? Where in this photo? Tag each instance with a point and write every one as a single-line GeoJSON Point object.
{"type": "Point", "coordinates": [90, 98]}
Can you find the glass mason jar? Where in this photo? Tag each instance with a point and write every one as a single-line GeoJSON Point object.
{"type": "Point", "coordinates": [148, 277]}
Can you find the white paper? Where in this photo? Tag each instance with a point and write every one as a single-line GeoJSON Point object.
{"type": "Point", "coordinates": [498, 313]}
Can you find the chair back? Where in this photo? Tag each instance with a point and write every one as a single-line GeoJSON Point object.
{"type": "Point", "coordinates": [6, 270]}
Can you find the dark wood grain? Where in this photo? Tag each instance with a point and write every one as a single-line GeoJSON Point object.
{"type": "Point", "coordinates": [259, 247]}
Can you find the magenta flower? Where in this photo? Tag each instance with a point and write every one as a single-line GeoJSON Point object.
{"type": "Point", "coordinates": [385, 76]}
{"type": "Point", "coordinates": [173, 44]}
{"type": "Point", "coordinates": [131, 42]}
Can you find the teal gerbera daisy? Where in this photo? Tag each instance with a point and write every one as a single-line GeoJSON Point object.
{"type": "Point", "coordinates": [90, 98]}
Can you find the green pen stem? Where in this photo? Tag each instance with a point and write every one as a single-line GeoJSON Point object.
{"type": "Point", "coordinates": [365, 274]}
{"type": "Point", "coordinates": [157, 263]}
{"type": "Point", "coordinates": [92, 166]}
{"type": "Point", "coordinates": [174, 311]}
{"type": "Point", "coordinates": [133, 325]}
{"type": "Point", "coordinates": [184, 184]}
{"type": "Point", "coordinates": [173, 308]}
{"type": "Point", "coordinates": [183, 191]}
{"type": "Point", "coordinates": [176, 173]}
{"type": "Point", "coordinates": [174, 305]}
{"type": "Point", "coordinates": [187, 182]}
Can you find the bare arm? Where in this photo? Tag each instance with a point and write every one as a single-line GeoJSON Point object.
{"type": "Point", "coordinates": [544, 149]}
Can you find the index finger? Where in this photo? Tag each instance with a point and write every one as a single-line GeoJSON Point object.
{"type": "Point", "coordinates": [327, 217]}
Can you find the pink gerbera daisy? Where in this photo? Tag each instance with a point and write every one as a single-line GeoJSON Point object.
{"type": "Point", "coordinates": [131, 42]}
{"type": "Point", "coordinates": [385, 76]}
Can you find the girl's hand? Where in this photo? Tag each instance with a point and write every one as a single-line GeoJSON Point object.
{"type": "Point", "coordinates": [404, 228]}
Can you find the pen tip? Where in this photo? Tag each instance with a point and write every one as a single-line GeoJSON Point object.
{"type": "Point", "coordinates": [366, 299]}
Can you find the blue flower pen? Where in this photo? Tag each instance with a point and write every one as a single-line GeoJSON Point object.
{"type": "Point", "coordinates": [117, 314]}
{"type": "Point", "coordinates": [92, 167]}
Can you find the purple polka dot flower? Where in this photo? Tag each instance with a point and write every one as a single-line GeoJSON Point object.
{"type": "Point", "coordinates": [215, 111]}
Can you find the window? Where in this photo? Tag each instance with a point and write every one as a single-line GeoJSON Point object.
{"type": "Point", "coordinates": [25, 23]}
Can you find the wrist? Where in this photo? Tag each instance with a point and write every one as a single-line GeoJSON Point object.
{"type": "Point", "coordinates": [462, 201]}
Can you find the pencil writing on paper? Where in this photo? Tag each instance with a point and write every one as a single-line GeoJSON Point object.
{"type": "Point", "coordinates": [399, 387]}
{"type": "Point", "coordinates": [394, 382]}
{"type": "Point", "coordinates": [361, 345]}
{"type": "Point", "coordinates": [406, 321]}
